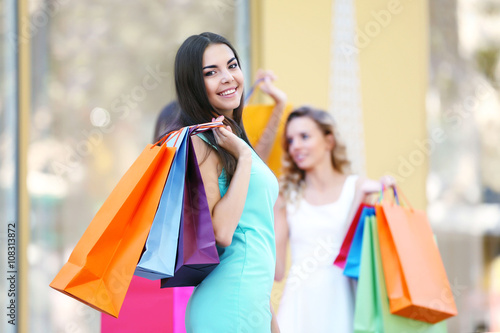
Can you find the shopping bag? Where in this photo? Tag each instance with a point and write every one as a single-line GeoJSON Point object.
{"type": "Point", "coordinates": [197, 253]}
{"type": "Point", "coordinates": [255, 119]}
{"type": "Point", "coordinates": [181, 299]}
{"type": "Point", "coordinates": [416, 280]}
{"type": "Point", "coordinates": [340, 260]}
{"type": "Point", "coordinates": [159, 310]}
{"type": "Point", "coordinates": [101, 266]}
{"type": "Point", "coordinates": [158, 260]}
{"type": "Point", "coordinates": [146, 308]}
{"type": "Point", "coordinates": [354, 258]}
{"type": "Point", "coordinates": [372, 313]}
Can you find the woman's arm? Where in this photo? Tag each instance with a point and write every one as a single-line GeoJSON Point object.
{"type": "Point", "coordinates": [281, 233]}
{"type": "Point", "coordinates": [366, 187]}
{"type": "Point", "coordinates": [274, 323]}
{"type": "Point", "coordinates": [265, 144]}
{"type": "Point", "coordinates": [226, 212]}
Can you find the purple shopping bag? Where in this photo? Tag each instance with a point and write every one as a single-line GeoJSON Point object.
{"type": "Point", "coordinates": [196, 252]}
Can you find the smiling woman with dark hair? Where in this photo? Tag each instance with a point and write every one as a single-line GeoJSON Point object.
{"type": "Point", "coordinates": [241, 192]}
{"type": "Point", "coordinates": [191, 79]}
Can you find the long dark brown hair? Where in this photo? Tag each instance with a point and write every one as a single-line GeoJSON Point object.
{"type": "Point", "coordinates": [192, 95]}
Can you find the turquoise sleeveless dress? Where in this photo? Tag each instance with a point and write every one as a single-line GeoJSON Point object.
{"type": "Point", "coordinates": [235, 296]}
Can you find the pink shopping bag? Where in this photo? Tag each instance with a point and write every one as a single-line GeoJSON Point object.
{"type": "Point", "coordinates": [159, 310]}
{"type": "Point", "coordinates": [181, 298]}
{"type": "Point", "coordinates": [146, 308]}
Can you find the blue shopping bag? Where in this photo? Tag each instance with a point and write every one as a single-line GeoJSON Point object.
{"type": "Point", "coordinates": [197, 252]}
{"type": "Point", "coordinates": [160, 252]}
{"type": "Point", "coordinates": [353, 260]}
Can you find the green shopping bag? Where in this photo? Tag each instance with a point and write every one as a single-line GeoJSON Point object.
{"type": "Point", "coordinates": [372, 313]}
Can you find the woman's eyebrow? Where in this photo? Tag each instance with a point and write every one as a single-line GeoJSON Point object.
{"type": "Point", "coordinates": [214, 66]}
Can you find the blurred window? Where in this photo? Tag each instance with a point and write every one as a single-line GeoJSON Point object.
{"type": "Point", "coordinates": [101, 73]}
{"type": "Point", "coordinates": [8, 156]}
{"type": "Point", "coordinates": [463, 187]}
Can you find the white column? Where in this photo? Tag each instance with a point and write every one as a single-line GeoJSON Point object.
{"type": "Point", "coordinates": [345, 94]}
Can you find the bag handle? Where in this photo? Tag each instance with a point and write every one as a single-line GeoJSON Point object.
{"type": "Point", "coordinates": [200, 128]}
{"type": "Point", "coordinates": [383, 188]}
{"type": "Point", "coordinates": [193, 130]}
{"type": "Point", "coordinates": [166, 138]}
{"type": "Point", "coordinates": [250, 93]}
{"type": "Point", "coordinates": [396, 190]}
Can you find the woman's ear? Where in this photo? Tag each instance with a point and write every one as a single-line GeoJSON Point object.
{"type": "Point", "coordinates": [330, 140]}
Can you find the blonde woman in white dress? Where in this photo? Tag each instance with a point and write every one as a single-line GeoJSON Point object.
{"type": "Point", "coordinates": [316, 204]}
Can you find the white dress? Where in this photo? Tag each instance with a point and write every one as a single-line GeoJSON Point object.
{"type": "Point", "coordinates": [317, 296]}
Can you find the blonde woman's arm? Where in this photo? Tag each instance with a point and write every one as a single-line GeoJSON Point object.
{"type": "Point", "coordinates": [366, 187]}
{"type": "Point", "coordinates": [282, 235]}
{"type": "Point", "coordinates": [265, 143]}
{"type": "Point", "coordinates": [274, 322]}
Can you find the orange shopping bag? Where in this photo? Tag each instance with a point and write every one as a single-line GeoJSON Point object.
{"type": "Point", "coordinates": [415, 278]}
{"type": "Point", "coordinates": [255, 119]}
{"type": "Point", "coordinates": [102, 264]}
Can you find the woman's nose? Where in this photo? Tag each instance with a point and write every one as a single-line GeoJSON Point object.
{"type": "Point", "coordinates": [226, 76]}
{"type": "Point", "coordinates": [295, 144]}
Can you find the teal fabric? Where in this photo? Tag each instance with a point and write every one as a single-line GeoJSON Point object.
{"type": "Point", "coordinates": [372, 313]}
{"type": "Point", "coordinates": [235, 296]}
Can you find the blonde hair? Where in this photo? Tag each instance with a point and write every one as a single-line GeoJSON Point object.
{"type": "Point", "coordinates": [292, 179]}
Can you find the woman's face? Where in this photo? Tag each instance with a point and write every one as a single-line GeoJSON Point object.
{"type": "Point", "coordinates": [307, 145]}
{"type": "Point", "coordinates": [223, 78]}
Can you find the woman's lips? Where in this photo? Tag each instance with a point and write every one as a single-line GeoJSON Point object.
{"type": "Point", "coordinates": [299, 157]}
{"type": "Point", "coordinates": [228, 92]}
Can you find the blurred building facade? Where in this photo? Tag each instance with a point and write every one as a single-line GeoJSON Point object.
{"type": "Point", "coordinates": [415, 82]}
{"type": "Point", "coordinates": [463, 184]}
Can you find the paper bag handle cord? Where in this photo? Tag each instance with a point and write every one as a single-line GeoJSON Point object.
{"type": "Point", "coordinates": [200, 128]}
{"type": "Point", "coordinates": [382, 191]}
{"type": "Point", "coordinates": [194, 129]}
{"type": "Point", "coordinates": [168, 137]}
{"type": "Point", "coordinates": [397, 190]}
{"type": "Point", "coordinates": [252, 90]}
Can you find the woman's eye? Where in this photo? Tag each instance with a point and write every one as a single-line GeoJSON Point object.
{"type": "Point", "coordinates": [305, 136]}
{"type": "Point", "coordinates": [233, 65]}
{"type": "Point", "coordinates": [209, 73]}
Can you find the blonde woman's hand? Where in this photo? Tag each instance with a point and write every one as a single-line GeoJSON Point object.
{"type": "Point", "coordinates": [387, 181]}
{"type": "Point", "coordinates": [267, 86]}
{"type": "Point", "coordinates": [230, 142]}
